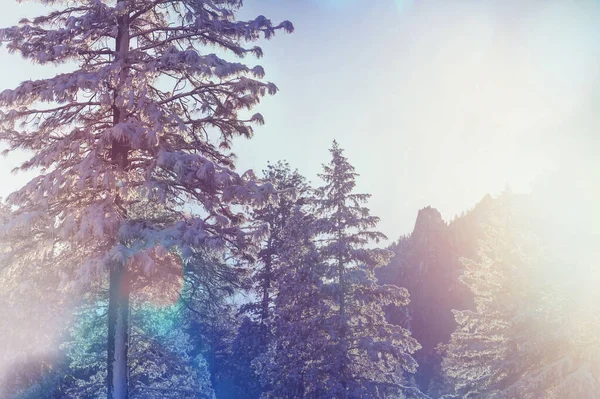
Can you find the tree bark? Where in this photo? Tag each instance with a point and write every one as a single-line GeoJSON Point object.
{"type": "Point", "coordinates": [118, 333]}
{"type": "Point", "coordinates": [118, 301]}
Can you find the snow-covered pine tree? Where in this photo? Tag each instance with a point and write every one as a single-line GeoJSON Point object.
{"type": "Point", "coordinates": [478, 360]}
{"type": "Point", "coordinates": [130, 124]}
{"type": "Point", "coordinates": [292, 192]}
{"type": "Point", "coordinates": [366, 357]}
{"type": "Point", "coordinates": [293, 367]}
{"type": "Point", "coordinates": [520, 341]}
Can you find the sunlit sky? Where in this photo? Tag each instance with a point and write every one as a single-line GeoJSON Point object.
{"type": "Point", "coordinates": [436, 102]}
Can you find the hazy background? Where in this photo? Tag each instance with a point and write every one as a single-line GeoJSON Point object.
{"type": "Point", "coordinates": [436, 102]}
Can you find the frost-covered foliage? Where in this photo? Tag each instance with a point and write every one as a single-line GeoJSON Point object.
{"type": "Point", "coordinates": [331, 338]}
{"type": "Point", "coordinates": [31, 314]}
{"type": "Point", "coordinates": [174, 348]}
{"type": "Point", "coordinates": [161, 358]}
{"type": "Point", "coordinates": [365, 356]}
{"type": "Point", "coordinates": [250, 343]}
{"type": "Point", "coordinates": [130, 124]}
{"type": "Point", "coordinates": [521, 340]}
{"type": "Point", "coordinates": [145, 117]}
{"type": "Point", "coordinates": [171, 344]}
{"type": "Point", "coordinates": [292, 191]}
{"type": "Point", "coordinates": [480, 358]}
{"type": "Point", "coordinates": [208, 308]}
{"type": "Point", "coordinates": [255, 331]}
{"type": "Point", "coordinates": [562, 351]}
{"type": "Point", "coordinates": [294, 366]}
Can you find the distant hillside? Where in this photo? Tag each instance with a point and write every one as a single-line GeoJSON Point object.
{"type": "Point", "coordinates": [427, 263]}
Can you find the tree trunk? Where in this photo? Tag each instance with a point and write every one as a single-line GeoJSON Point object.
{"type": "Point", "coordinates": [118, 333]}
{"type": "Point", "coordinates": [342, 284]}
{"type": "Point", "coordinates": [344, 323]}
{"type": "Point", "coordinates": [120, 148]}
{"type": "Point", "coordinates": [266, 300]}
{"type": "Point", "coordinates": [118, 301]}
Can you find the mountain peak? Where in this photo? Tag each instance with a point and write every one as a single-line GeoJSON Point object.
{"type": "Point", "coordinates": [428, 219]}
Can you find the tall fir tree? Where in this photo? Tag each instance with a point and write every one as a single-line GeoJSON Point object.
{"type": "Point", "coordinates": [293, 365]}
{"type": "Point", "coordinates": [365, 357]}
{"type": "Point", "coordinates": [131, 123]}
{"type": "Point", "coordinates": [291, 193]}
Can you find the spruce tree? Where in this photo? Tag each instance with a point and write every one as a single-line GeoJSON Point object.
{"type": "Point", "coordinates": [365, 357]}
{"type": "Point", "coordinates": [255, 332]}
{"type": "Point", "coordinates": [146, 115]}
{"type": "Point", "coordinates": [293, 367]}
{"type": "Point", "coordinates": [291, 192]}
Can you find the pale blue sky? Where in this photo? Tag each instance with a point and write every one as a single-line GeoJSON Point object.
{"type": "Point", "coordinates": [436, 102]}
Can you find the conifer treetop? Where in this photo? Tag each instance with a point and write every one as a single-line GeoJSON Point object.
{"type": "Point", "coordinates": [344, 217]}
